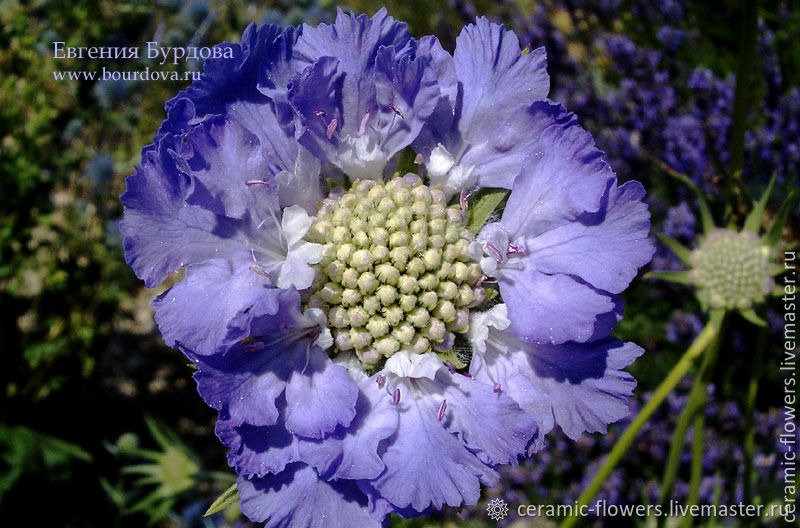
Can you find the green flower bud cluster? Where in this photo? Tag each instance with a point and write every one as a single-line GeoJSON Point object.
{"type": "Point", "coordinates": [396, 271]}
{"type": "Point", "coordinates": [731, 269]}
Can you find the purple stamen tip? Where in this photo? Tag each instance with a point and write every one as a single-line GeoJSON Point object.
{"type": "Point", "coordinates": [496, 387]}
{"type": "Point", "coordinates": [450, 366]}
{"type": "Point", "coordinates": [480, 281]}
{"type": "Point", "coordinates": [396, 111]}
{"type": "Point", "coordinates": [513, 249]}
{"type": "Point", "coordinates": [258, 270]}
{"type": "Point", "coordinates": [380, 380]}
{"type": "Point", "coordinates": [396, 396]}
{"type": "Point", "coordinates": [440, 412]}
{"type": "Point", "coordinates": [363, 126]}
{"type": "Point", "coordinates": [462, 200]}
{"type": "Point", "coordinates": [497, 254]}
{"type": "Point", "coordinates": [331, 128]}
{"type": "Point", "coordinates": [252, 183]}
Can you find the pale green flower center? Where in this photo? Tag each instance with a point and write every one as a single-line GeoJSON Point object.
{"type": "Point", "coordinates": [396, 271]}
{"type": "Point", "coordinates": [730, 269]}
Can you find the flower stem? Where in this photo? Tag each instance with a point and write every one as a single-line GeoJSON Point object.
{"type": "Point", "coordinates": [749, 432]}
{"type": "Point", "coordinates": [702, 341]}
{"type": "Point", "coordinates": [695, 405]}
{"type": "Point", "coordinates": [741, 98]}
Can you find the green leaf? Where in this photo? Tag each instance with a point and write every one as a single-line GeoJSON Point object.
{"type": "Point", "coordinates": [774, 233]}
{"type": "Point", "coordinates": [751, 316]}
{"type": "Point", "coordinates": [228, 497]}
{"type": "Point", "coordinates": [705, 213]}
{"type": "Point", "coordinates": [681, 251]}
{"type": "Point", "coordinates": [753, 220]}
{"type": "Point", "coordinates": [481, 207]}
{"type": "Point", "coordinates": [681, 277]}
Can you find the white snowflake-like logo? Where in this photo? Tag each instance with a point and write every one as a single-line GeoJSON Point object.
{"type": "Point", "coordinates": [498, 509]}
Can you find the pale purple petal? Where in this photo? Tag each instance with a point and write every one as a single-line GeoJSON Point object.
{"type": "Point", "coordinates": [196, 312]}
{"type": "Point", "coordinates": [565, 178]}
{"type": "Point", "coordinates": [319, 396]}
{"type": "Point", "coordinates": [298, 497]}
{"type": "Point", "coordinates": [605, 249]}
{"type": "Point", "coordinates": [550, 308]}
{"type": "Point", "coordinates": [497, 78]}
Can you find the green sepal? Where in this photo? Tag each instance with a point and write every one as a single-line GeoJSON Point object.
{"type": "Point", "coordinates": [452, 358]}
{"type": "Point", "coordinates": [680, 277]}
{"type": "Point", "coordinates": [681, 251]}
{"type": "Point", "coordinates": [705, 213]}
{"type": "Point", "coordinates": [774, 233]}
{"type": "Point", "coordinates": [228, 497]}
{"type": "Point", "coordinates": [775, 269]}
{"type": "Point", "coordinates": [481, 207]}
{"type": "Point", "coordinates": [753, 220]}
{"type": "Point", "coordinates": [750, 315]}
{"type": "Point", "coordinates": [778, 291]}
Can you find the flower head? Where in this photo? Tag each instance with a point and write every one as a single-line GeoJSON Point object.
{"type": "Point", "coordinates": [361, 345]}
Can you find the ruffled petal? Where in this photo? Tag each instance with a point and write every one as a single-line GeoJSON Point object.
{"type": "Point", "coordinates": [319, 396]}
{"type": "Point", "coordinates": [579, 386]}
{"type": "Point", "coordinates": [585, 383]}
{"type": "Point", "coordinates": [565, 178]}
{"type": "Point", "coordinates": [605, 249]}
{"type": "Point", "coordinates": [428, 466]}
{"type": "Point", "coordinates": [298, 497]}
{"type": "Point", "coordinates": [254, 71]}
{"type": "Point", "coordinates": [505, 429]}
{"type": "Point", "coordinates": [161, 233]}
{"type": "Point", "coordinates": [196, 312]}
{"type": "Point", "coordinates": [550, 308]}
{"type": "Point", "coordinates": [370, 101]}
{"type": "Point", "coordinates": [497, 78]}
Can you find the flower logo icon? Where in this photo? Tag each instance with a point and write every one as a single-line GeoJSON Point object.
{"type": "Point", "coordinates": [498, 509]}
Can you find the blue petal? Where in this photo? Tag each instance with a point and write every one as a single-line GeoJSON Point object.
{"type": "Point", "coordinates": [605, 249]}
{"type": "Point", "coordinates": [565, 178]}
{"type": "Point", "coordinates": [161, 233]}
{"type": "Point", "coordinates": [498, 80]}
{"type": "Point", "coordinates": [580, 387]}
{"type": "Point", "coordinates": [491, 424]}
{"type": "Point", "coordinates": [551, 308]}
{"type": "Point", "coordinates": [298, 497]}
{"type": "Point", "coordinates": [427, 465]}
{"type": "Point", "coordinates": [585, 383]}
{"type": "Point", "coordinates": [319, 395]}
{"type": "Point", "coordinates": [370, 101]}
{"type": "Point", "coordinates": [261, 65]}
{"type": "Point", "coordinates": [196, 312]}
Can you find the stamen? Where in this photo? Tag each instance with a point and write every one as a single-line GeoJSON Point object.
{"type": "Point", "coordinates": [380, 379]}
{"type": "Point", "coordinates": [481, 281]}
{"type": "Point", "coordinates": [258, 270]}
{"type": "Point", "coordinates": [497, 254]}
{"type": "Point", "coordinates": [396, 396]}
{"type": "Point", "coordinates": [363, 126]}
{"type": "Point", "coordinates": [253, 346]}
{"type": "Point", "coordinates": [450, 366]}
{"type": "Point", "coordinates": [462, 199]}
{"type": "Point", "coordinates": [320, 113]}
{"type": "Point", "coordinates": [252, 183]}
{"type": "Point", "coordinates": [331, 128]}
{"type": "Point", "coordinates": [496, 387]}
{"type": "Point", "coordinates": [513, 249]}
{"type": "Point", "coordinates": [396, 111]}
{"type": "Point", "coordinates": [440, 412]}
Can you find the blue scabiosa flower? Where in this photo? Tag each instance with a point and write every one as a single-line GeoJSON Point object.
{"type": "Point", "coordinates": [367, 354]}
